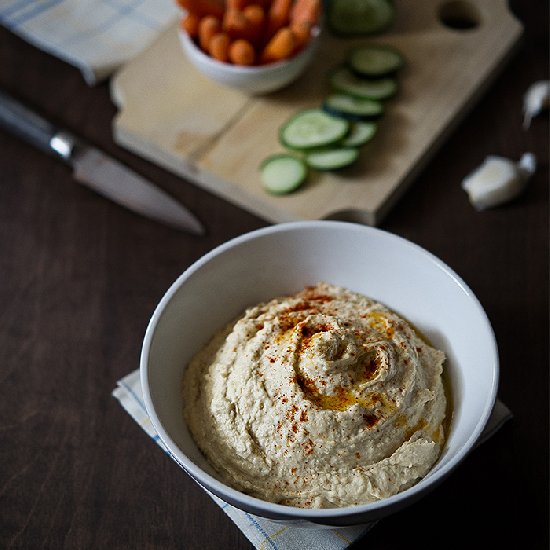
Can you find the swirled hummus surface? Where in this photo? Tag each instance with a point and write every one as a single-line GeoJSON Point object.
{"type": "Point", "coordinates": [321, 399]}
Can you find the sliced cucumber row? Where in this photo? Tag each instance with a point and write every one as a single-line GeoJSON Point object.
{"type": "Point", "coordinates": [329, 137]}
{"type": "Point", "coordinates": [364, 82]}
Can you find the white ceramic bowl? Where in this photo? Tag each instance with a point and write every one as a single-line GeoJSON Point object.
{"type": "Point", "coordinates": [259, 79]}
{"type": "Point", "coordinates": [282, 259]}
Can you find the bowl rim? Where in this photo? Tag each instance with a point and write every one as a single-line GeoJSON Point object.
{"type": "Point", "coordinates": [233, 495]}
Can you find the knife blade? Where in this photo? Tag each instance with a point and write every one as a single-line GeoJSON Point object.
{"type": "Point", "coordinates": [95, 169]}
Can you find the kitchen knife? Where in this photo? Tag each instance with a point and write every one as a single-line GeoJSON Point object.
{"type": "Point", "coordinates": [95, 169]}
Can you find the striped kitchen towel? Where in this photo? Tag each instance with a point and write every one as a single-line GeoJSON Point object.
{"type": "Point", "coordinates": [97, 36]}
{"type": "Point", "coordinates": [263, 533]}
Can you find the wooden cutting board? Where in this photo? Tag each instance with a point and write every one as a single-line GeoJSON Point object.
{"type": "Point", "coordinates": [172, 115]}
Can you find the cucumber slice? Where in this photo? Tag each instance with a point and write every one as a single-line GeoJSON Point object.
{"type": "Point", "coordinates": [312, 128]}
{"type": "Point", "coordinates": [352, 108]}
{"type": "Point", "coordinates": [344, 81]}
{"type": "Point", "coordinates": [282, 173]}
{"type": "Point", "coordinates": [359, 134]}
{"type": "Point", "coordinates": [332, 159]}
{"type": "Point", "coordinates": [374, 61]}
{"type": "Point", "coordinates": [359, 17]}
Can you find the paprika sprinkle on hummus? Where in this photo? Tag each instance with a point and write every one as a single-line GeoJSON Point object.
{"type": "Point", "coordinates": [322, 399]}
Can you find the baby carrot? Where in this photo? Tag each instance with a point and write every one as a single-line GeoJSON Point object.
{"type": "Point", "coordinates": [302, 34]}
{"type": "Point", "coordinates": [255, 16]}
{"type": "Point", "coordinates": [219, 46]}
{"type": "Point", "coordinates": [281, 46]}
{"type": "Point", "coordinates": [241, 52]}
{"type": "Point", "coordinates": [236, 25]}
{"type": "Point", "coordinates": [305, 11]}
{"type": "Point", "coordinates": [278, 16]}
{"type": "Point", "coordinates": [254, 13]}
{"type": "Point", "coordinates": [190, 24]}
{"type": "Point", "coordinates": [208, 27]}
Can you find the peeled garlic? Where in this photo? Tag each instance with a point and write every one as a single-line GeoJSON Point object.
{"type": "Point", "coordinates": [498, 180]}
{"type": "Point", "coordinates": [536, 99]}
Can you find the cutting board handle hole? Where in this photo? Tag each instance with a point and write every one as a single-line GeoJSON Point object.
{"type": "Point", "coordinates": [459, 15]}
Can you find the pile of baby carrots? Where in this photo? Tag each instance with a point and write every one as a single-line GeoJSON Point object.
{"type": "Point", "coordinates": [250, 32]}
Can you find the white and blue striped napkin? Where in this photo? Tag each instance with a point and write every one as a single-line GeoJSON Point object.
{"type": "Point", "coordinates": [97, 36]}
{"type": "Point", "coordinates": [261, 532]}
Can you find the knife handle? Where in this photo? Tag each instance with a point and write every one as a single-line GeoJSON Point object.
{"type": "Point", "coordinates": [26, 124]}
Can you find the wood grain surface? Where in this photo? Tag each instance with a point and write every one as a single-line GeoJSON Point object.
{"type": "Point", "coordinates": [217, 136]}
{"type": "Point", "coordinates": [80, 276]}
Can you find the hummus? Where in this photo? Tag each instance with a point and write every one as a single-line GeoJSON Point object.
{"type": "Point", "coordinates": [322, 399]}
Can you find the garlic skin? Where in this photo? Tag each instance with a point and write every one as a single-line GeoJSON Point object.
{"type": "Point", "coordinates": [536, 99]}
{"type": "Point", "coordinates": [498, 180]}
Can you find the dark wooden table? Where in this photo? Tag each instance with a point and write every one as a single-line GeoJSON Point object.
{"type": "Point", "coordinates": [80, 276]}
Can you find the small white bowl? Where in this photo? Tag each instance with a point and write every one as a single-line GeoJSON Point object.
{"type": "Point", "coordinates": [282, 259]}
{"type": "Point", "coordinates": [259, 79]}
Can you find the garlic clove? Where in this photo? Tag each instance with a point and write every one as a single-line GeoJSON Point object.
{"type": "Point", "coordinates": [536, 99]}
{"type": "Point", "coordinates": [498, 180]}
